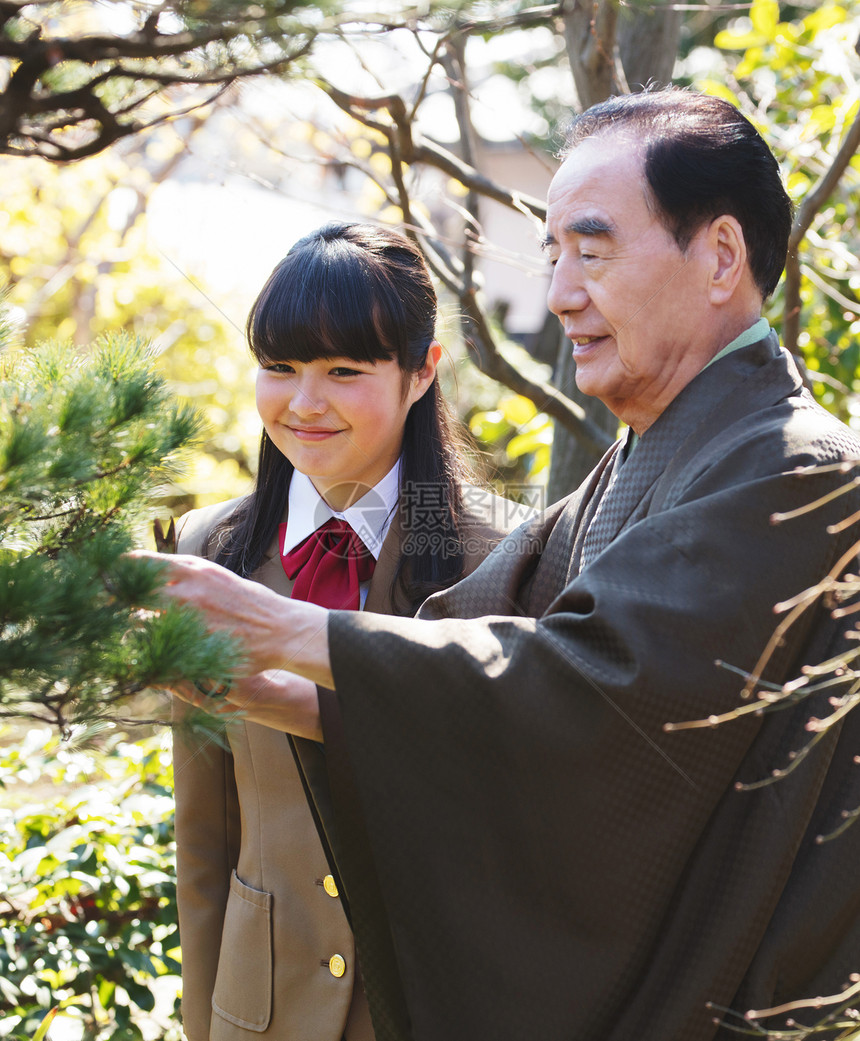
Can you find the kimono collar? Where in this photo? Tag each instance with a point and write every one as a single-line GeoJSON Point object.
{"type": "Point", "coordinates": [757, 331]}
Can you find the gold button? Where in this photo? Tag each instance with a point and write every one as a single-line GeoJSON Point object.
{"type": "Point", "coordinates": [330, 886]}
{"type": "Point", "coordinates": [336, 965]}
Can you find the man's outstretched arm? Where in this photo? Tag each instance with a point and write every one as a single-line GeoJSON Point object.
{"type": "Point", "coordinates": [275, 633]}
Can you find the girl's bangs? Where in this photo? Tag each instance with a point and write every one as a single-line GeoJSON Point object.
{"type": "Point", "coordinates": [310, 310]}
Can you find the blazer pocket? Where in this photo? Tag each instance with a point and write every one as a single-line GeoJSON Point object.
{"type": "Point", "coordinates": [243, 984]}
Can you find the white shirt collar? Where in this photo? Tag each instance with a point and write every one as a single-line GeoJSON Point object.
{"type": "Point", "coordinates": [370, 517]}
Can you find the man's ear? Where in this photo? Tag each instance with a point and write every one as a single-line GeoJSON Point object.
{"type": "Point", "coordinates": [728, 251]}
{"type": "Point", "coordinates": [422, 379]}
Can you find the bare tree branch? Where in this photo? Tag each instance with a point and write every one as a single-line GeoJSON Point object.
{"type": "Point", "coordinates": [418, 149]}
{"type": "Point", "coordinates": [68, 97]}
{"type": "Point", "coordinates": [454, 63]}
{"type": "Point", "coordinates": [812, 204]}
{"type": "Point", "coordinates": [434, 155]}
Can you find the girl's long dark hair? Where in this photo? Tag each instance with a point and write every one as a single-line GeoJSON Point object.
{"type": "Point", "coordinates": [361, 292]}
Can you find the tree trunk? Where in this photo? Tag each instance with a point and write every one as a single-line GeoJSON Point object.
{"type": "Point", "coordinates": [648, 43]}
{"type": "Point", "coordinates": [616, 49]}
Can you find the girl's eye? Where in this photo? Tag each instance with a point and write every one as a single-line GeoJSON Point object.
{"type": "Point", "coordinates": [280, 367]}
{"type": "Point", "coordinates": [342, 370]}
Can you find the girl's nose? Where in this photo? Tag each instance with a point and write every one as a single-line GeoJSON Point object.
{"type": "Point", "coordinates": [307, 398]}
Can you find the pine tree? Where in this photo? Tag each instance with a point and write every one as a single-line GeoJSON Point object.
{"type": "Point", "coordinates": [86, 437]}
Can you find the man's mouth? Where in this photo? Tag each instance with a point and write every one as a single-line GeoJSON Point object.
{"type": "Point", "coordinates": [581, 344]}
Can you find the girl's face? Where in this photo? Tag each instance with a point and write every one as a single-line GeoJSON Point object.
{"type": "Point", "coordinates": [340, 421]}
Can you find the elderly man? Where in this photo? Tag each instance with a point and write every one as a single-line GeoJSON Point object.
{"type": "Point", "coordinates": [527, 852]}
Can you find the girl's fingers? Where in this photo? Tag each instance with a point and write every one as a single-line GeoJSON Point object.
{"type": "Point", "coordinates": [201, 697]}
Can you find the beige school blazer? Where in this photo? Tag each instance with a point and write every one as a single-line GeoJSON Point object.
{"type": "Point", "coordinates": [267, 951]}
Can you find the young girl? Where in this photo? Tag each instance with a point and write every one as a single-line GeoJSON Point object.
{"type": "Point", "coordinates": [356, 433]}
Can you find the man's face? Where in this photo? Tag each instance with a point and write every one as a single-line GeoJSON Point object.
{"type": "Point", "coordinates": [632, 304]}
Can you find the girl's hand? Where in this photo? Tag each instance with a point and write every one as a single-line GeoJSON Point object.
{"type": "Point", "coordinates": [276, 699]}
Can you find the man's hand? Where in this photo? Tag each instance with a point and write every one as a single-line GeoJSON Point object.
{"type": "Point", "coordinates": [278, 700]}
{"type": "Point", "coordinates": [275, 633]}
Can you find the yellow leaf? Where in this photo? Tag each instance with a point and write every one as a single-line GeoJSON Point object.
{"type": "Point", "coordinates": [373, 200]}
{"type": "Point", "coordinates": [390, 215]}
{"type": "Point", "coordinates": [42, 1032]}
{"type": "Point", "coordinates": [86, 272]}
{"type": "Point", "coordinates": [303, 130]}
{"type": "Point", "coordinates": [797, 184]}
{"type": "Point", "coordinates": [361, 147]}
{"type": "Point", "coordinates": [753, 58]}
{"type": "Point", "coordinates": [487, 426]}
{"type": "Point", "coordinates": [65, 329]}
{"type": "Point", "coordinates": [730, 40]}
{"type": "Point", "coordinates": [821, 119]}
{"type": "Point", "coordinates": [517, 410]}
{"type": "Point", "coordinates": [764, 15]}
{"type": "Point", "coordinates": [848, 113]}
{"type": "Point", "coordinates": [788, 35]}
{"type": "Point", "coordinates": [825, 18]}
{"type": "Point", "coordinates": [380, 163]}
{"type": "Point", "coordinates": [522, 444]}
{"type": "Point", "coordinates": [718, 89]}
{"type": "Point", "coordinates": [541, 460]}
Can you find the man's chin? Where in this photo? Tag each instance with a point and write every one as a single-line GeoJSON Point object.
{"type": "Point", "coordinates": [590, 379]}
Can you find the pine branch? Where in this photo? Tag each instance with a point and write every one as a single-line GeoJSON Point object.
{"type": "Point", "coordinates": [84, 442]}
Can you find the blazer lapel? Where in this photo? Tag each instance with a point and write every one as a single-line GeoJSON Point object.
{"type": "Point", "coordinates": [271, 571]}
{"type": "Point", "coordinates": [379, 595]}
{"type": "Point", "coordinates": [311, 758]}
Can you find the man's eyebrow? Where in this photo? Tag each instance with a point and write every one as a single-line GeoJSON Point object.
{"type": "Point", "coordinates": [590, 226]}
{"type": "Point", "coordinates": [593, 226]}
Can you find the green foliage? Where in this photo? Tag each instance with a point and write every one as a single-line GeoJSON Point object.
{"type": "Point", "coordinates": [77, 252]}
{"type": "Point", "coordinates": [84, 440]}
{"type": "Point", "coordinates": [81, 435]}
{"type": "Point", "coordinates": [88, 911]}
{"type": "Point", "coordinates": [517, 436]}
{"type": "Point", "coordinates": [797, 79]}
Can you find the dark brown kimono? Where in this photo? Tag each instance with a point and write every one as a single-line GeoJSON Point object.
{"type": "Point", "coordinates": [552, 864]}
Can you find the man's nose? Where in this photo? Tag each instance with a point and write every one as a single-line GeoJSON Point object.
{"type": "Point", "coordinates": [566, 289]}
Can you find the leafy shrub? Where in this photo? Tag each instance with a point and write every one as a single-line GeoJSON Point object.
{"type": "Point", "coordinates": [88, 906]}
